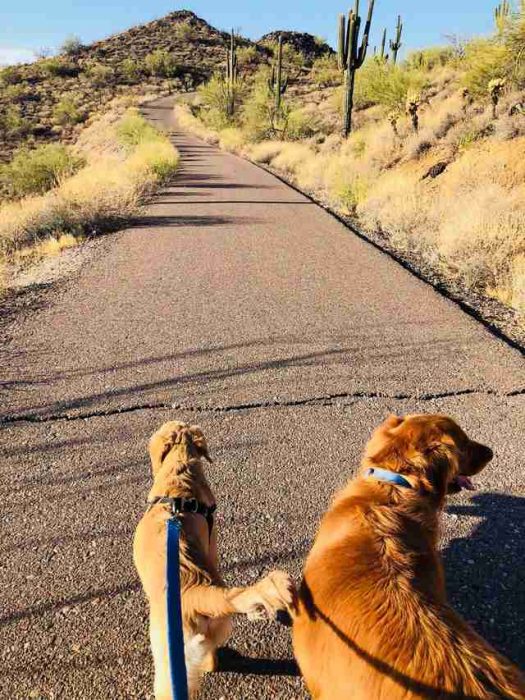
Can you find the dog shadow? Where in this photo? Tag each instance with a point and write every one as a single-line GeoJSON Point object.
{"type": "Point", "coordinates": [232, 661]}
{"type": "Point", "coordinates": [484, 570]}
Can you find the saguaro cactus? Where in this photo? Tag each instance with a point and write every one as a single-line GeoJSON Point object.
{"type": "Point", "coordinates": [396, 44]}
{"type": "Point", "coordinates": [382, 55]}
{"type": "Point", "coordinates": [501, 14]}
{"type": "Point", "coordinates": [276, 83]}
{"type": "Point", "coordinates": [351, 56]}
{"type": "Point", "coordinates": [232, 75]}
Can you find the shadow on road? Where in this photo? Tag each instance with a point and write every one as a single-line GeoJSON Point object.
{"type": "Point", "coordinates": [231, 661]}
{"type": "Point", "coordinates": [484, 570]}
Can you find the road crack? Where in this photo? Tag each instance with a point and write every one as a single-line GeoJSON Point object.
{"type": "Point", "coordinates": [324, 400]}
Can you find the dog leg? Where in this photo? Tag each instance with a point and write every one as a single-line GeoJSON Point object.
{"type": "Point", "coordinates": [264, 598]}
{"type": "Point", "coordinates": [159, 649]}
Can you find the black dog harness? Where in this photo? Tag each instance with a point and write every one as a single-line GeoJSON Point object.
{"type": "Point", "coordinates": [186, 505]}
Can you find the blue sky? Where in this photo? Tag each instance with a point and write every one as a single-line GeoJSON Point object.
{"type": "Point", "coordinates": [31, 24]}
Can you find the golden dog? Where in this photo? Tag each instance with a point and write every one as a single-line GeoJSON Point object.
{"type": "Point", "coordinates": [176, 450]}
{"type": "Point", "coordinates": [372, 618]}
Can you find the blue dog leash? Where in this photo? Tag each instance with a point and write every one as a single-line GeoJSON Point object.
{"type": "Point", "coordinates": [179, 679]}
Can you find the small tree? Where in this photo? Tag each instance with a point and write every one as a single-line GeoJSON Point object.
{"type": "Point", "coordinates": [71, 46]}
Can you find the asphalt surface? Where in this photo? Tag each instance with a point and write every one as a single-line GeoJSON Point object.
{"type": "Point", "coordinates": [237, 303]}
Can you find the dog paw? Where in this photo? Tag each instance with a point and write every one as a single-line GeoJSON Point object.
{"type": "Point", "coordinates": [277, 592]}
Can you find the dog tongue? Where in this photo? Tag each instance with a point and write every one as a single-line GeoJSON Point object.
{"type": "Point", "coordinates": [465, 483]}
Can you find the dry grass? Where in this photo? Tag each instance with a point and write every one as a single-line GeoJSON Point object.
{"type": "Point", "coordinates": [108, 190]}
{"type": "Point", "coordinates": [468, 222]}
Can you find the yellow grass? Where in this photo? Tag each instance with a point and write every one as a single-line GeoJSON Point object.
{"type": "Point", "coordinates": [109, 189]}
{"type": "Point", "coordinates": [469, 222]}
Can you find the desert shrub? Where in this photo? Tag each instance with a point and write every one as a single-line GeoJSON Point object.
{"type": "Point", "coordinates": [428, 59]}
{"type": "Point", "coordinates": [300, 124]}
{"type": "Point", "coordinates": [185, 32]}
{"type": "Point", "coordinates": [36, 171]}
{"type": "Point", "coordinates": [130, 70]}
{"type": "Point", "coordinates": [58, 68]}
{"type": "Point", "coordinates": [107, 191]}
{"type": "Point", "coordinates": [380, 83]}
{"type": "Point", "coordinates": [133, 129]}
{"type": "Point", "coordinates": [67, 113]}
{"type": "Point", "coordinates": [10, 75]}
{"type": "Point", "coordinates": [216, 101]}
{"type": "Point", "coordinates": [71, 46]}
{"type": "Point", "coordinates": [293, 60]}
{"type": "Point", "coordinates": [501, 56]}
{"type": "Point", "coordinates": [232, 139]}
{"type": "Point", "coordinates": [325, 71]}
{"type": "Point", "coordinates": [16, 93]}
{"type": "Point", "coordinates": [99, 74]}
{"type": "Point", "coordinates": [247, 56]}
{"type": "Point", "coordinates": [514, 39]}
{"type": "Point", "coordinates": [486, 59]}
{"type": "Point", "coordinates": [12, 123]}
{"type": "Point", "coordinates": [161, 64]}
{"type": "Point", "coordinates": [259, 117]}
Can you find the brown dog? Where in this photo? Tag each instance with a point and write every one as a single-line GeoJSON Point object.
{"type": "Point", "coordinates": [176, 450]}
{"type": "Point", "coordinates": [372, 618]}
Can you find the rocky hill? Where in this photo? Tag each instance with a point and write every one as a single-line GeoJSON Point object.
{"type": "Point", "coordinates": [310, 46]}
{"type": "Point", "coordinates": [51, 98]}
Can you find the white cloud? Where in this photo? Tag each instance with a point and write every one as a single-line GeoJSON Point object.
{"type": "Point", "coordinates": [10, 55]}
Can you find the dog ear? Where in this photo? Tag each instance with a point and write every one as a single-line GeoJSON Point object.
{"type": "Point", "coordinates": [162, 441]}
{"type": "Point", "coordinates": [392, 421]}
{"type": "Point", "coordinates": [199, 442]}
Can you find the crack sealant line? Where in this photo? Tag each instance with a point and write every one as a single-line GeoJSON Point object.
{"type": "Point", "coordinates": [326, 400]}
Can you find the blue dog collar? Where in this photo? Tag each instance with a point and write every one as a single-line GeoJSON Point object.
{"type": "Point", "coordinates": [389, 477]}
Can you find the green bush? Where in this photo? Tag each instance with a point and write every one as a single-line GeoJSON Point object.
{"type": "Point", "coordinates": [12, 123]}
{"type": "Point", "coordinates": [502, 56]}
{"type": "Point", "coordinates": [71, 46]}
{"type": "Point", "coordinates": [325, 71]}
{"type": "Point", "coordinates": [161, 64]}
{"type": "Point", "coordinates": [216, 99]}
{"type": "Point", "coordinates": [486, 59]}
{"type": "Point", "coordinates": [380, 83]}
{"type": "Point", "coordinates": [133, 130]}
{"type": "Point", "coordinates": [67, 113]}
{"type": "Point", "coordinates": [433, 57]}
{"type": "Point", "coordinates": [299, 124]}
{"type": "Point", "coordinates": [99, 74]}
{"type": "Point", "coordinates": [130, 70]}
{"type": "Point", "coordinates": [37, 171]}
{"type": "Point", "coordinates": [10, 75]}
{"type": "Point", "coordinates": [185, 32]}
{"type": "Point", "coordinates": [58, 67]}
{"type": "Point", "coordinates": [247, 56]}
{"type": "Point", "coordinates": [260, 120]}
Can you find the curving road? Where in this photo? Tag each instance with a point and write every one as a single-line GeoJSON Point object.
{"type": "Point", "coordinates": [236, 302]}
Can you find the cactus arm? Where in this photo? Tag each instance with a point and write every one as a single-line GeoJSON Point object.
{"type": "Point", "coordinates": [383, 44]}
{"type": "Point", "coordinates": [366, 34]}
{"type": "Point", "coordinates": [341, 42]}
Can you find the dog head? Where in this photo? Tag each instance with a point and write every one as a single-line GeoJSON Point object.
{"type": "Point", "coordinates": [177, 442]}
{"type": "Point", "coordinates": [431, 450]}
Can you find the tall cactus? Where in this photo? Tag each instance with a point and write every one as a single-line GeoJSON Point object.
{"type": "Point", "coordinates": [396, 44]}
{"type": "Point", "coordinates": [351, 56]}
{"type": "Point", "coordinates": [232, 74]}
{"type": "Point", "coordinates": [382, 55]}
{"type": "Point", "coordinates": [276, 83]}
{"type": "Point", "coordinates": [501, 14]}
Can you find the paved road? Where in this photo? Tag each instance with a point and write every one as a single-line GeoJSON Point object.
{"type": "Point", "coordinates": [236, 302]}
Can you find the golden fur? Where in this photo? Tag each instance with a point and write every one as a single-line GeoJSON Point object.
{"type": "Point", "coordinates": [372, 619]}
{"type": "Point", "coordinates": [176, 452]}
